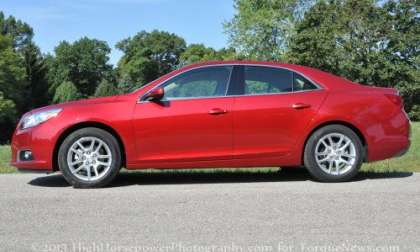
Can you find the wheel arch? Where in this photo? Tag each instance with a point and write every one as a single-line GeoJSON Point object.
{"type": "Point", "coordinates": [343, 123]}
{"type": "Point", "coordinates": [82, 125]}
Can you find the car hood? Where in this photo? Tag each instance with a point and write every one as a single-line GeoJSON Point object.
{"type": "Point", "coordinates": [83, 102]}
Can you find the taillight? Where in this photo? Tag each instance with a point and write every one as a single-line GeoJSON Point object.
{"type": "Point", "coordinates": [396, 99]}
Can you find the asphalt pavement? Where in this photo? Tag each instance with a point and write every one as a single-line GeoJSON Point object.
{"type": "Point", "coordinates": [211, 212]}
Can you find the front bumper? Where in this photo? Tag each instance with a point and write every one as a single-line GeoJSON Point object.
{"type": "Point", "coordinates": [40, 166]}
{"type": "Point", "coordinates": [40, 141]}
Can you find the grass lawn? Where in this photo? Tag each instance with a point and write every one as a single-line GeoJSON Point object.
{"type": "Point", "coordinates": [410, 162]}
{"type": "Point", "coordinates": [5, 159]}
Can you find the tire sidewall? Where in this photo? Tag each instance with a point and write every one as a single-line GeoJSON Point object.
{"type": "Point", "coordinates": [312, 165]}
{"type": "Point", "coordinates": [89, 132]}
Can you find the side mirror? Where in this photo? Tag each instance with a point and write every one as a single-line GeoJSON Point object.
{"type": "Point", "coordinates": [154, 95]}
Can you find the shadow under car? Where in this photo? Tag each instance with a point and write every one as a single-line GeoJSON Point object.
{"type": "Point", "coordinates": [204, 177]}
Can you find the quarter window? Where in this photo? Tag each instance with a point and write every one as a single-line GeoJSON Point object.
{"type": "Point", "coordinates": [201, 82]}
{"type": "Point", "coordinates": [300, 83]}
{"type": "Point", "coordinates": [267, 80]}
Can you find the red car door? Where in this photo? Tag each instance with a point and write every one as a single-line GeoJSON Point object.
{"type": "Point", "coordinates": [193, 122]}
{"type": "Point", "coordinates": [271, 110]}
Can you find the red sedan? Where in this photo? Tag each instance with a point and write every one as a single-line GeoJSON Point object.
{"type": "Point", "coordinates": [218, 114]}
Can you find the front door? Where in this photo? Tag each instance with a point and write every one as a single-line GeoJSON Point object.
{"type": "Point", "coordinates": [193, 122]}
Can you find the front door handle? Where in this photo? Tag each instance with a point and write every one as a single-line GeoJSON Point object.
{"type": "Point", "coordinates": [301, 105]}
{"type": "Point", "coordinates": [217, 111]}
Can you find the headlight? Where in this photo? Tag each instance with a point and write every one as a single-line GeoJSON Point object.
{"type": "Point", "coordinates": [38, 117]}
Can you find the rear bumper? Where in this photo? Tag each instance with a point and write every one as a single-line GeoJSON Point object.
{"type": "Point", "coordinates": [390, 140]}
{"type": "Point", "coordinates": [403, 152]}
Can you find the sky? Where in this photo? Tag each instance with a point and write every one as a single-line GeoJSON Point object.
{"type": "Point", "coordinates": [197, 21]}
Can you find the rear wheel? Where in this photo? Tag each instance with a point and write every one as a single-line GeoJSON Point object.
{"type": "Point", "coordinates": [333, 153]}
{"type": "Point", "coordinates": [89, 157]}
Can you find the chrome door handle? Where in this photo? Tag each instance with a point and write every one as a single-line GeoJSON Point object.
{"type": "Point", "coordinates": [217, 111]}
{"type": "Point", "coordinates": [301, 105]}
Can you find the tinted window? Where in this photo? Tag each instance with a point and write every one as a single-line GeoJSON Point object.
{"type": "Point", "coordinates": [300, 83]}
{"type": "Point", "coordinates": [202, 82]}
{"type": "Point", "coordinates": [266, 80]}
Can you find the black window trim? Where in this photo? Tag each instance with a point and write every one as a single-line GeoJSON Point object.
{"type": "Point", "coordinates": [235, 68]}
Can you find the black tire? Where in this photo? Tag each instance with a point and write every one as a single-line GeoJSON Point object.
{"type": "Point", "coordinates": [309, 154]}
{"type": "Point", "coordinates": [107, 138]}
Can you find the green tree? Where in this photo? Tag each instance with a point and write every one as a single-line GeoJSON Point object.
{"type": "Point", "coordinates": [7, 118]}
{"type": "Point", "coordinates": [84, 63]}
{"type": "Point", "coordinates": [403, 51]}
{"type": "Point", "coordinates": [261, 29]}
{"type": "Point", "coordinates": [36, 95]}
{"type": "Point", "coordinates": [12, 72]}
{"type": "Point", "coordinates": [415, 113]}
{"type": "Point", "coordinates": [147, 56]}
{"type": "Point", "coordinates": [7, 110]}
{"type": "Point", "coordinates": [229, 54]}
{"type": "Point", "coordinates": [21, 34]}
{"type": "Point", "coordinates": [349, 35]}
{"type": "Point", "coordinates": [66, 91]}
{"type": "Point", "coordinates": [196, 53]}
{"type": "Point", "coordinates": [199, 52]}
{"type": "Point", "coordinates": [364, 41]}
{"type": "Point", "coordinates": [12, 82]}
{"type": "Point", "coordinates": [106, 88]}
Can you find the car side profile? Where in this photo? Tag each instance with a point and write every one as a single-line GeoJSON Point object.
{"type": "Point", "coordinates": [218, 114]}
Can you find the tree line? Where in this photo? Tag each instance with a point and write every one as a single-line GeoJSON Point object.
{"type": "Point", "coordinates": [367, 41]}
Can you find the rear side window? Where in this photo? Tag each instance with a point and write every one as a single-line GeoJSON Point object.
{"type": "Point", "coordinates": [300, 83]}
{"type": "Point", "coordinates": [267, 80]}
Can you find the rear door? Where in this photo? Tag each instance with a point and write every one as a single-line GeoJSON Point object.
{"type": "Point", "coordinates": [272, 107]}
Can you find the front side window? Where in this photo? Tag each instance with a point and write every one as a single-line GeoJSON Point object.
{"type": "Point", "coordinates": [201, 82]}
{"type": "Point", "coordinates": [267, 80]}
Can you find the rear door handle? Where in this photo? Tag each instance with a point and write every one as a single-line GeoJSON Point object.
{"type": "Point", "coordinates": [301, 105]}
{"type": "Point", "coordinates": [217, 111]}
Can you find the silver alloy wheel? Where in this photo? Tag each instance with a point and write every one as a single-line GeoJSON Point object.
{"type": "Point", "coordinates": [335, 154]}
{"type": "Point", "coordinates": [89, 158]}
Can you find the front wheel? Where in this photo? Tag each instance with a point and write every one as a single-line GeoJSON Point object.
{"type": "Point", "coordinates": [89, 157]}
{"type": "Point", "coordinates": [333, 153]}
